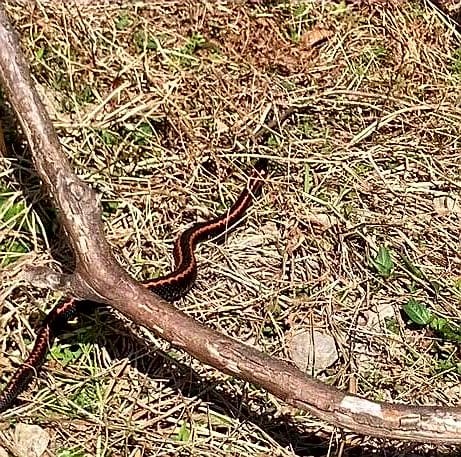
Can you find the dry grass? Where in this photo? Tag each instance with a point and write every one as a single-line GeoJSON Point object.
{"type": "Point", "coordinates": [155, 102]}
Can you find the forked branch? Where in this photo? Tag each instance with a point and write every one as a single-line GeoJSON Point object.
{"type": "Point", "coordinates": [99, 277]}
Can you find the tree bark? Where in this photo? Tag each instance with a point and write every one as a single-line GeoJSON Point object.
{"type": "Point", "coordinates": [100, 278]}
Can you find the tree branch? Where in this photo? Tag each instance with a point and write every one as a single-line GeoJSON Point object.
{"type": "Point", "coordinates": [99, 277]}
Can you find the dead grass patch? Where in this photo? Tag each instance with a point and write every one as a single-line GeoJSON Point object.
{"type": "Point", "coordinates": [155, 103]}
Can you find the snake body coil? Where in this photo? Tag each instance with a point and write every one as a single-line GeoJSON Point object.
{"type": "Point", "coordinates": [171, 287]}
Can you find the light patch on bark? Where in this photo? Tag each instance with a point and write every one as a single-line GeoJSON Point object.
{"type": "Point", "coordinates": [152, 326]}
{"type": "Point", "coordinates": [213, 351]}
{"type": "Point", "coordinates": [361, 406]}
{"type": "Point", "coordinates": [233, 367]}
{"type": "Point", "coordinates": [82, 242]}
{"type": "Point", "coordinates": [444, 422]}
{"type": "Point", "coordinates": [230, 365]}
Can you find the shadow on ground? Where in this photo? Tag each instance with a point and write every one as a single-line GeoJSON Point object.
{"type": "Point", "coordinates": [121, 343]}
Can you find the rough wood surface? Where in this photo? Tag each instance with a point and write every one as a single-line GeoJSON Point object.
{"type": "Point", "coordinates": [99, 277]}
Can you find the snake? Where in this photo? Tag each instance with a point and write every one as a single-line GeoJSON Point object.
{"type": "Point", "coordinates": [170, 287]}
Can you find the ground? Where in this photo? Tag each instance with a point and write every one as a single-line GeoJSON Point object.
{"type": "Point", "coordinates": [356, 234]}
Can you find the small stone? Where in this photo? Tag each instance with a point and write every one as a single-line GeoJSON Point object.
{"type": "Point", "coordinates": [446, 205]}
{"type": "Point", "coordinates": [312, 350]}
{"type": "Point", "coordinates": [30, 440]}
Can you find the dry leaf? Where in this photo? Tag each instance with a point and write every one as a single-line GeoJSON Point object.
{"type": "Point", "coordinates": [295, 240]}
{"type": "Point", "coordinates": [323, 221]}
{"type": "Point", "coordinates": [221, 127]}
{"type": "Point", "coordinates": [315, 37]}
